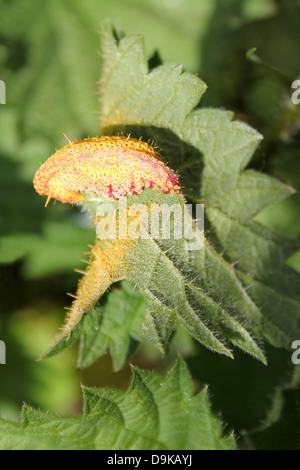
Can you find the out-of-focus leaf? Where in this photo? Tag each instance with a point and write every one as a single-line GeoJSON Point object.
{"type": "Point", "coordinates": [55, 80]}
{"type": "Point", "coordinates": [26, 334]}
{"type": "Point", "coordinates": [28, 231]}
{"type": "Point", "coordinates": [281, 430]}
{"type": "Point", "coordinates": [241, 390]}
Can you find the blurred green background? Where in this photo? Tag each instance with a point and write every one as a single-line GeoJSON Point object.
{"type": "Point", "coordinates": [50, 62]}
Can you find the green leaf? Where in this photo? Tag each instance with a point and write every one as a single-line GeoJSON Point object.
{"type": "Point", "coordinates": [217, 293]}
{"type": "Point", "coordinates": [176, 287]}
{"type": "Point", "coordinates": [210, 151]}
{"type": "Point", "coordinates": [255, 191]}
{"type": "Point", "coordinates": [57, 249]}
{"type": "Point", "coordinates": [48, 240]}
{"type": "Point", "coordinates": [183, 281]}
{"type": "Point", "coordinates": [139, 419]}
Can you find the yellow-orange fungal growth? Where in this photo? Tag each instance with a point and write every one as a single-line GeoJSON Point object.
{"type": "Point", "coordinates": [106, 265]}
{"type": "Point", "coordinates": [109, 166]}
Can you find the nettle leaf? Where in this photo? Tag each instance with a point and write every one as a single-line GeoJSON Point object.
{"type": "Point", "coordinates": [235, 288]}
{"type": "Point", "coordinates": [210, 151]}
{"type": "Point", "coordinates": [173, 274]}
{"type": "Point", "coordinates": [139, 419]}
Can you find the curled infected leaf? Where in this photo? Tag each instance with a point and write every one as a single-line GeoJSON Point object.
{"type": "Point", "coordinates": [184, 279]}
{"type": "Point", "coordinates": [112, 167]}
{"type": "Point", "coordinates": [128, 174]}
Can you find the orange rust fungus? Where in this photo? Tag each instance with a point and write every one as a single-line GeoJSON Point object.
{"type": "Point", "coordinates": [109, 166]}
{"type": "Point", "coordinates": [107, 265]}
